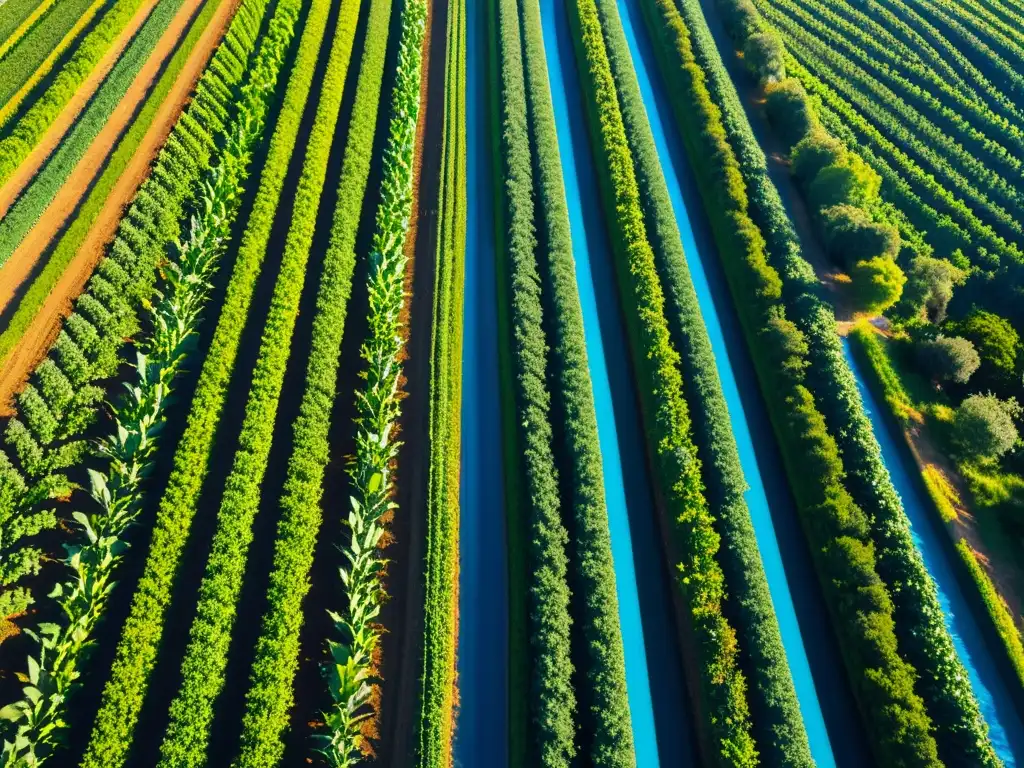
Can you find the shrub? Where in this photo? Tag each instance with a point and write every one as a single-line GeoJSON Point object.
{"type": "Point", "coordinates": [816, 151]}
{"type": "Point", "coordinates": [877, 284]}
{"type": "Point", "coordinates": [983, 426]}
{"type": "Point", "coordinates": [948, 358]}
{"type": "Point", "coordinates": [790, 110]}
{"type": "Point", "coordinates": [763, 55]}
{"type": "Point", "coordinates": [997, 343]}
{"type": "Point", "coordinates": [741, 19]}
{"type": "Point", "coordinates": [929, 288]}
{"type": "Point", "coordinates": [851, 181]}
{"type": "Point", "coordinates": [851, 236]}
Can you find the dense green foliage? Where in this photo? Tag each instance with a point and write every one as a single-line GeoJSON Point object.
{"type": "Point", "coordinates": [999, 349]}
{"type": "Point", "coordinates": [39, 719]}
{"type": "Point", "coordinates": [137, 648]}
{"type": "Point", "coordinates": [271, 691]}
{"type": "Point", "coordinates": [949, 358]}
{"type": "Point", "coordinates": [19, 16]}
{"type": "Point", "coordinates": [440, 630]}
{"type": "Point", "coordinates": [606, 733]}
{"type": "Point", "coordinates": [778, 724]}
{"type": "Point", "coordinates": [712, 640]}
{"type": "Point", "coordinates": [58, 409]}
{"type": "Point", "coordinates": [354, 652]}
{"type": "Point", "coordinates": [33, 124]}
{"type": "Point", "coordinates": [86, 214]}
{"type": "Point", "coordinates": [37, 196]}
{"type": "Point", "coordinates": [203, 668]}
{"type": "Point", "coordinates": [552, 700]}
{"type": "Point", "coordinates": [983, 427]}
{"type": "Point", "coordinates": [29, 52]}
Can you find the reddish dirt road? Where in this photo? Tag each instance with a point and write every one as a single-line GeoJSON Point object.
{"type": "Point", "coordinates": [36, 341]}
{"type": "Point", "coordinates": [30, 166]}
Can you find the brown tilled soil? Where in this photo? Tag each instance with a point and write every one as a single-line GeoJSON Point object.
{"type": "Point", "coordinates": [402, 645]}
{"type": "Point", "coordinates": [40, 335]}
{"type": "Point", "coordinates": [27, 170]}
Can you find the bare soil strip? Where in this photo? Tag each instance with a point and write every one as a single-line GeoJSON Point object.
{"type": "Point", "coordinates": [38, 338]}
{"type": "Point", "coordinates": [31, 165]}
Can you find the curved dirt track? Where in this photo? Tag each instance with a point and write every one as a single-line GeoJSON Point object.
{"type": "Point", "coordinates": [55, 133]}
{"type": "Point", "coordinates": [37, 339]}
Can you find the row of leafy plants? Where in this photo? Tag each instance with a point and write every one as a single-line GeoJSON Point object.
{"type": "Point", "coordinates": [720, 686]}
{"type": "Point", "coordinates": [19, 19]}
{"type": "Point", "coordinates": [537, 514]}
{"type": "Point", "coordinates": [354, 651]}
{"type": "Point", "coordinates": [45, 438]}
{"type": "Point", "coordinates": [139, 639]}
{"type": "Point", "coordinates": [837, 528]}
{"type": "Point", "coordinates": [205, 662]}
{"type": "Point", "coordinates": [271, 690]}
{"type": "Point", "coordinates": [36, 48]}
{"type": "Point", "coordinates": [440, 632]}
{"type": "Point", "coordinates": [924, 639]}
{"type": "Point", "coordinates": [38, 722]}
{"type": "Point", "coordinates": [778, 724]}
{"type": "Point", "coordinates": [605, 731]}
{"type": "Point", "coordinates": [37, 195]}
{"type": "Point", "coordinates": [67, 246]}
{"type": "Point", "coordinates": [21, 138]}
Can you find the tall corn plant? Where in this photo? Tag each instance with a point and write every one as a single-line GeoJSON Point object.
{"type": "Point", "coordinates": [350, 672]}
{"type": "Point", "coordinates": [36, 723]}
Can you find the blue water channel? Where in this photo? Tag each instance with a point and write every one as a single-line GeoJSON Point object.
{"type": "Point", "coordinates": [481, 731]}
{"type": "Point", "coordinates": [997, 707]}
{"type": "Point", "coordinates": [661, 121]}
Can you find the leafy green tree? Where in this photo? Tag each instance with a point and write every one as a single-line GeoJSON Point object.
{"type": "Point", "coordinates": [983, 426]}
{"type": "Point", "coordinates": [789, 110]}
{"type": "Point", "coordinates": [851, 236]}
{"type": "Point", "coordinates": [877, 284]}
{"type": "Point", "coordinates": [817, 150]}
{"type": "Point", "coordinates": [848, 182]}
{"type": "Point", "coordinates": [949, 358]}
{"type": "Point", "coordinates": [763, 55]}
{"type": "Point", "coordinates": [998, 344]}
{"type": "Point", "coordinates": [929, 288]}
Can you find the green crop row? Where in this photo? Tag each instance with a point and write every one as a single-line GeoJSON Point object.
{"type": "Point", "coordinates": [18, 17]}
{"type": "Point", "coordinates": [271, 693]}
{"type": "Point", "coordinates": [140, 637]}
{"type": "Point", "coordinates": [837, 529]}
{"type": "Point", "coordinates": [68, 245]}
{"type": "Point", "coordinates": [33, 124]}
{"type": "Point", "coordinates": [62, 399]}
{"type": "Point", "coordinates": [695, 542]}
{"type": "Point", "coordinates": [203, 668]}
{"type": "Point", "coordinates": [924, 640]}
{"type": "Point", "coordinates": [37, 196]}
{"type": "Point", "coordinates": [552, 700]}
{"type": "Point", "coordinates": [437, 705]}
{"type": "Point", "coordinates": [778, 724]}
{"type": "Point", "coordinates": [354, 651]}
{"type": "Point", "coordinates": [606, 732]}
{"type": "Point", "coordinates": [36, 48]}
{"type": "Point", "coordinates": [38, 721]}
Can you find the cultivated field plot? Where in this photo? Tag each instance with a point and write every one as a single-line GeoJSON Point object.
{"type": "Point", "coordinates": [511, 383]}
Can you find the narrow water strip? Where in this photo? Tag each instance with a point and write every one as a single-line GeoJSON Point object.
{"type": "Point", "coordinates": [994, 699]}
{"type": "Point", "coordinates": [756, 497]}
{"type": "Point", "coordinates": [657, 706]}
{"type": "Point", "coordinates": [481, 729]}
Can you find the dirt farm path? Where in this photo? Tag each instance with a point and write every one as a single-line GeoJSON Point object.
{"type": "Point", "coordinates": [37, 339]}
{"type": "Point", "coordinates": [30, 166]}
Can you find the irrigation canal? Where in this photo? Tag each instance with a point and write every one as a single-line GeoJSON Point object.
{"type": "Point", "coordinates": [481, 733]}
{"type": "Point", "coordinates": [627, 492]}
{"type": "Point", "coordinates": [997, 706]}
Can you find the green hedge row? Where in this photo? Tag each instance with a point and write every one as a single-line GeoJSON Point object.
{"type": "Point", "coordinates": [139, 642]}
{"type": "Point", "coordinates": [37, 196]}
{"type": "Point", "coordinates": [924, 640]}
{"type": "Point", "coordinates": [271, 693]}
{"type": "Point", "coordinates": [440, 630]}
{"type": "Point", "coordinates": [110, 309]}
{"type": "Point", "coordinates": [836, 527]}
{"type": "Point", "coordinates": [18, 18]}
{"type": "Point", "coordinates": [552, 698]}
{"type": "Point", "coordinates": [722, 686]}
{"type": "Point", "coordinates": [68, 245]}
{"type": "Point", "coordinates": [606, 733]}
{"type": "Point", "coordinates": [354, 652]}
{"type": "Point", "coordinates": [203, 668]}
{"type": "Point", "coordinates": [778, 724]}
{"type": "Point", "coordinates": [33, 124]}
